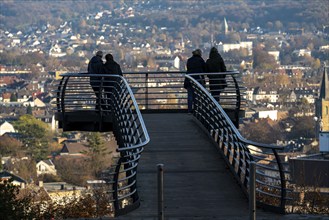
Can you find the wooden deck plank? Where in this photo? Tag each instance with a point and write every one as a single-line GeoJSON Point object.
{"type": "Point", "coordinates": [197, 183]}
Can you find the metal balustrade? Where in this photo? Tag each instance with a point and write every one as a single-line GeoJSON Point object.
{"type": "Point", "coordinates": [271, 172]}
{"type": "Point", "coordinates": [164, 91]}
{"type": "Point", "coordinates": [111, 107]}
{"type": "Point", "coordinates": [114, 107]}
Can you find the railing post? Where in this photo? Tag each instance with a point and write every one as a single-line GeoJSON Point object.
{"type": "Point", "coordinates": [160, 192]}
{"type": "Point", "coordinates": [252, 191]}
{"type": "Point", "coordinates": [146, 91]}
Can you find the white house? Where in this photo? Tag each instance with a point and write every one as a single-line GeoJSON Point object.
{"type": "Point", "coordinates": [249, 94]}
{"type": "Point", "coordinates": [267, 113]}
{"type": "Point", "coordinates": [6, 127]}
{"type": "Point", "coordinates": [39, 103]}
{"type": "Point", "coordinates": [302, 52]}
{"type": "Point", "coordinates": [46, 167]}
{"type": "Point", "coordinates": [270, 96]}
{"type": "Point", "coordinates": [276, 55]}
{"type": "Point", "coordinates": [168, 61]}
{"type": "Point", "coordinates": [243, 44]}
{"type": "Point", "coordinates": [56, 51]}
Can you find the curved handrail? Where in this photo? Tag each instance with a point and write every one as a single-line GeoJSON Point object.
{"type": "Point", "coordinates": [238, 152]}
{"type": "Point", "coordinates": [164, 91]}
{"type": "Point", "coordinates": [114, 102]}
{"type": "Point", "coordinates": [236, 131]}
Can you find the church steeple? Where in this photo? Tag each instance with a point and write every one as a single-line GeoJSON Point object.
{"type": "Point", "coordinates": [225, 26]}
{"type": "Point", "coordinates": [323, 103]}
{"type": "Point", "coordinates": [324, 89]}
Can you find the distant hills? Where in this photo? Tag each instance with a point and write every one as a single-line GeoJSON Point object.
{"type": "Point", "coordinates": [310, 15]}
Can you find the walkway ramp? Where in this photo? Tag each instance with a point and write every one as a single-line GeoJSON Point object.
{"type": "Point", "coordinates": [197, 183]}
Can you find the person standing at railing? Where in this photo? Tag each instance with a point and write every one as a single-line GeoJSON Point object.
{"type": "Point", "coordinates": [113, 68]}
{"type": "Point", "coordinates": [94, 67]}
{"type": "Point", "coordinates": [215, 64]}
{"type": "Point", "coordinates": [195, 64]}
{"type": "Point", "coordinates": [110, 66]}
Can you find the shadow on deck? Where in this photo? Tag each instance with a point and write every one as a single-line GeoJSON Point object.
{"type": "Point", "coordinates": [197, 183]}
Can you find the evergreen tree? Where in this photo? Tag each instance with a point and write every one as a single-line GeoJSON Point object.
{"type": "Point", "coordinates": [13, 97]}
{"type": "Point", "coordinates": [35, 136]}
{"type": "Point", "coordinates": [97, 151]}
{"type": "Point", "coordinates": [29, 110]}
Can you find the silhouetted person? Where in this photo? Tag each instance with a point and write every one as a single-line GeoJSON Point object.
{"type": "Point", "coordinates": [95, 67]}
{"type": "Point", "coordinates": [113, 68]}
{"type": "Point", "coordinates": [215, 64]}
{"type": "Point", "coordinates": [110, 66]}
{"type": "Point", "coordinates": [195, 64]}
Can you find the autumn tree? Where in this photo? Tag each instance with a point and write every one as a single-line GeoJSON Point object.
{"type": "Point", "coordinates": [262, 131]}
{"type": "Point", "coordinates": [10, 146]}
{"type": "Point", "coordinates": [282, 79]}
{"type": "Point", "coordinates": [241, 53]}
{"type": "Point", "coordinates": [25, 168]}
{"type": "Point", "coordinates": [12, 207]}
{"type": "Point", "coordinates": [303, 127]}
{"type": "Point", "coordinates": [278, 25]}
{"type": "Point", "coordinates": [16, 203]}
{"type": "Point", "coordinates": [263, 60]}
{"type": "Point", "coordinates": [73, 170]}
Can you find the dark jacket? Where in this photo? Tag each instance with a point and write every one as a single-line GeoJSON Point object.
{"type": "Point", "coordinates": [195, 64]}
{"type": "Point", "coordinates": [112, 67]}
{"type": "Point", "coordinates": [216, 64]}
{"type": "Point", "coordinates": [94, 67]}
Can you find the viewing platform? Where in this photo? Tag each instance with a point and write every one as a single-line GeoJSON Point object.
{"type": "Point", "coordinates": [210, 170]}
{"type": "Point", "coordinates": [197, 182]}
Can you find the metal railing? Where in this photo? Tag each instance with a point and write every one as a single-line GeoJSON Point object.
{"type": "Point", "coordinates": [164, 91]}
{"type": "Point", "coordinates": [271, 172]}
{"type": "Point", "coordinates": [106, 103]}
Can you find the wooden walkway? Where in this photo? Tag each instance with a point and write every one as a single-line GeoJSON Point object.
{"type": "Point", "coordinates": [197, 183]}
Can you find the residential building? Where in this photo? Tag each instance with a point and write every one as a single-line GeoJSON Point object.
{"type": "Point", "coordinates": [74, 149]}
{"type": "Point", "coordinates": [298, 94]}
{"type": "Point", "coordinates": [46, 167]}
{"type": "Point", "coordinates": [302, 52]}
{"type": "Point", "coordinates": [168, 61]}
{"type": "Point", "coordinates": [6, 127]}
{"type": "Point", "coordinates": [243, 44]}
{"type": "Point", "coordinates": [265, 113]}
{"type": "Point", "coordinates": [263, 95]}
{"type": "Point", "coordinates": [62, 192]}
{"type": "Point", "coordinates": [276, 55]}
{"type": "Point", "coordinates": [14, 179]}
